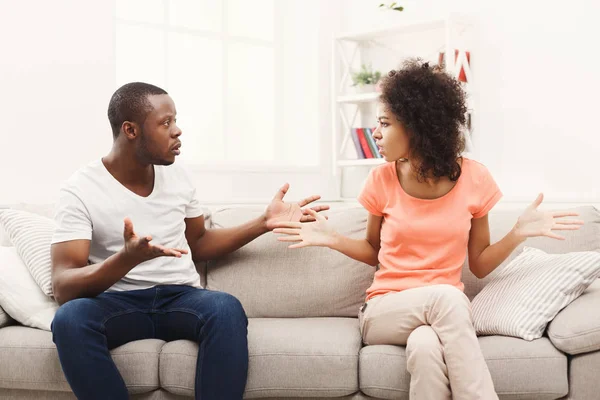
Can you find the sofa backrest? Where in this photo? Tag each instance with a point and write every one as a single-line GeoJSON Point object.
{"type": "Point", "coordinates": [273, 281]}
{"type": "Point", "coordinates": [587, 238]}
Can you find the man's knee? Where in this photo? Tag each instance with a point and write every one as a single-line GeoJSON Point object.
{"type": "Point", "coordinates": [230, 307]}
{"type": "Point", "coordinates": [70, 317]}
{"type": "Point", "coordinates": [227, 309]}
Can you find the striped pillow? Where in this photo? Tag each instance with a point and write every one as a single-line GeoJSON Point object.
{"type": "Point", "coordinates": [31, 235]}
{"type": "Point", "coordinates": [528, 293]}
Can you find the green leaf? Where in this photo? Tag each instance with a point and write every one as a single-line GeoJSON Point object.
{"type": "Point", "coordinates": [392, 5]}
{"type": "Point", "coordinates": [382, 5]}
{"type": "Point", "coordinates": [399, 8]}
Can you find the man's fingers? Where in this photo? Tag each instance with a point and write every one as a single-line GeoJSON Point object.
{"type": "Point", "coordinates": [320, 208]}
{"type": "Point", "coordinates": [281, 192]}
{"type": "Point", "coordinates": [308, 200]}
{"type": "Point", "coordinates": [128, 228]}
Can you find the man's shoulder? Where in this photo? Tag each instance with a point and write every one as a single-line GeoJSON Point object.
{"type": "Point", "coordinates": [84, 176]}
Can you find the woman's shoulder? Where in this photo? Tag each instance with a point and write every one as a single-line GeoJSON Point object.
{"type": "Point", "coordinates": [385, 171]}
{"type": "Point", "coordinates": [474, 169]}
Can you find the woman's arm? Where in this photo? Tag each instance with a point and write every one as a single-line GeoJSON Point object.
{"type": "Point", "coordinates": [320, 233]}
{"type": "Point", "coordinates": [485, 258]}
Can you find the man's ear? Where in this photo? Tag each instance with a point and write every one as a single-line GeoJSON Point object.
{"type": "Point", "coordinates": [130, 129]}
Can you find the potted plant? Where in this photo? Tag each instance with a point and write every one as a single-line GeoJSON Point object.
{"type": "Point", "coordinates": [365, 79]}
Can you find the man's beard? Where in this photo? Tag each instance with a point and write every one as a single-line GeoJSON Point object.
{"type": "Point", "coordinates": [145, 155]}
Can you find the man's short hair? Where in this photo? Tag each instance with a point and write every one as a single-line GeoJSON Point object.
{"type": "Point", "coordinates": [130, 103]}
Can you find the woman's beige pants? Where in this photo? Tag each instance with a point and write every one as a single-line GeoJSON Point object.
{"type": "Point", "coordinates": [443, 355]}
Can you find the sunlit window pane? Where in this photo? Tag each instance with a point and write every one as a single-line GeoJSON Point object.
{"type": "Point", "coordinates": [140, 54]}
{"type": "Point", "coordinates": [195, 82]}
{"type": "Point", "coordinates": [250, 104]}
{"type": "Point", "coordinates": [252, 19]}
{"type": "Point", "coordinates": [151, 11]}
{"type": "Point", "coordinates": [206, 15]}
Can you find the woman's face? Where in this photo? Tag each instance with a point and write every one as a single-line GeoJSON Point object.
{"type": "Point", "coordinates": [390, 135]}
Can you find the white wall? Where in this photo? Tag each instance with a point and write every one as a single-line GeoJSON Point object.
{"type": "Point", "coordinates": [538, 83]}
{"type": "Point", "coordinates": [56, 75]}
{"type": "Point", "coordinates": [536, 67]}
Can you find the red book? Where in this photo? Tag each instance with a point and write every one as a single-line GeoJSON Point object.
{"type": "Point", "coordinates": [363, 143]}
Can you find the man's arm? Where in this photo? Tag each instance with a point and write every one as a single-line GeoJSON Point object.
{"type": "Point", "coordinates": [210, 244]}
{"type": "Point", "coordinates": [73, 278]}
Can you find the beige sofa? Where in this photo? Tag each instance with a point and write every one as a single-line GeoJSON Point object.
{"type": "Point", "coordinates": [304, 340]}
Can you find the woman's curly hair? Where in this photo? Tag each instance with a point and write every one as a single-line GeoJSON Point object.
{"type": "Point", "coordinates": [431, 106]}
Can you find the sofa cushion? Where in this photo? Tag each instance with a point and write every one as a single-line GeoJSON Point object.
{"type": "Point", "coordinates": [288, 358]}
{"type": "Point", "coordinates": [519, 369]}
{"type": "Point", "coordinates": [273, 281]}
{"type": "Point", "coordinates": [587, 238]}
{"type": "Point", "coordinates": [583, 376]}
{"type": "Point", "coordinates": [19, 394]}
{"type": "Point", "coordinates": [576, 329]}
{"type": "Point", "coordinates": [30, 361]}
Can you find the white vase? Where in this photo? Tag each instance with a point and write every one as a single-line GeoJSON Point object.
{"type": "Point", "coordinates": [364, 88]}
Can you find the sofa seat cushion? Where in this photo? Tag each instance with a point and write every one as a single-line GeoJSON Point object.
{"type": "Point", "coordinates": [576, 329]}
{"type": "Point", "coordinates": [308, 357]}
{"type": "Point", "coordinates": [30, 361]}
{"type": "Point", "coordinates": [520, 369]}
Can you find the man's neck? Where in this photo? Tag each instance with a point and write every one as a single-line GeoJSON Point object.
{"type": "Point", "coordinates": [127, 169]}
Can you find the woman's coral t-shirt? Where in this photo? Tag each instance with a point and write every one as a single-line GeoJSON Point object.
{"type": "Point", "coordinates": [424, 241]}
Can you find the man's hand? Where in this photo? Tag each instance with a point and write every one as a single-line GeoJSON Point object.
{"type": "Point", "coordinates": [140, 249]}
{"type": "Point", "coordinates": [542, 223]}
{"type": "Point", "coordinates": [280, 211]}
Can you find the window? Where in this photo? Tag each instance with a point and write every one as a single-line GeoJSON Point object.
{"type": "Point", "coordinates": [243, 75]}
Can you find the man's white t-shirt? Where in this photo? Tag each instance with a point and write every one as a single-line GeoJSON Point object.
{"type": "Point", "coordinates": [92, 205]}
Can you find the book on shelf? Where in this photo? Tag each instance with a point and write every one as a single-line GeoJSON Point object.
{"type": "Point", "coordinates": [364, 143]}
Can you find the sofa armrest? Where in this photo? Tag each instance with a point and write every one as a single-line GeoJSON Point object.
{"type": "Point", "coordinates": [576, 328]}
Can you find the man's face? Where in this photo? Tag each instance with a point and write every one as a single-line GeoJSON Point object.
{"type": "Point", "coordinates": [159, 137]}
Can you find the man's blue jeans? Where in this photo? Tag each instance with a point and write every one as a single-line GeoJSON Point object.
{"type": "Point", "coordinates": [85, 329]}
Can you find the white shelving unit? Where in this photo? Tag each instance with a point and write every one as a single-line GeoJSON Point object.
{"type": "Point", "coordinates": [384, 50]}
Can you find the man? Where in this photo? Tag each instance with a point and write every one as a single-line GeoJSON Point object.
{"type": "Point", "coordinates": [117, 284]}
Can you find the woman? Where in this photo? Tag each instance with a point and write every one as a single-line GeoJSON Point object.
{"type": "Point", "coordinates": [427, 207]}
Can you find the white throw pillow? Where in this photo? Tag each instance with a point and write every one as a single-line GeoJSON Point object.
{"type": "Point", "coordinates": [20, 296]}
{"type": "Point", "coordinates": [531, 290]}
{"type": "Point", "coordinates": [31, 235]}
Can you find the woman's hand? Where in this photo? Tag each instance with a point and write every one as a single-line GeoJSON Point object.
{"type": "Point", "coordinates": [318, 233]}
{"type": "Point", "coordinates": [543, 223]}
